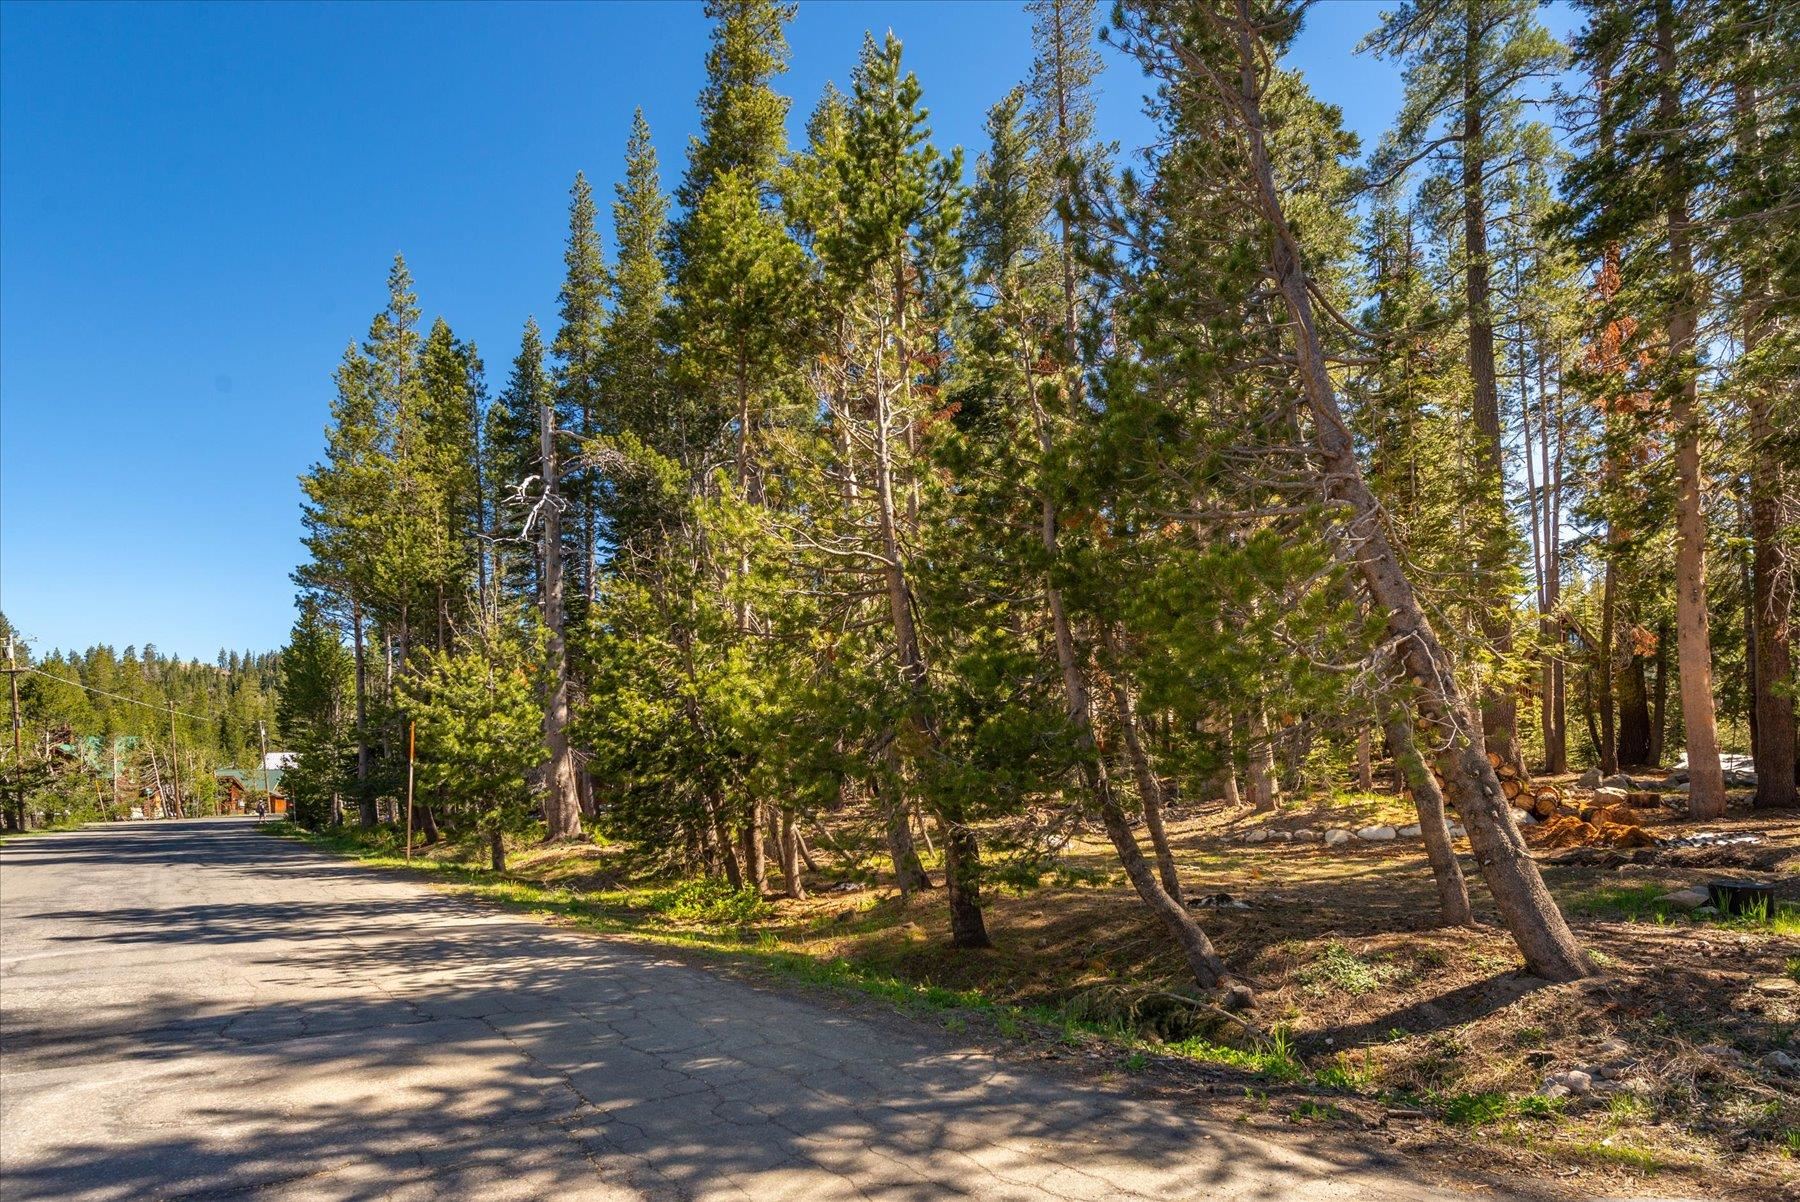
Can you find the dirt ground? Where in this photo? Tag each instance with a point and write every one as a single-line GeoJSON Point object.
{"type": "Point", "coordinates": [1370, 1018]}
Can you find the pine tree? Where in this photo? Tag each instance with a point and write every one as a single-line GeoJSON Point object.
{"type": "Point", "coordinates": [1638, 185]}
{"type": "Point", "coordinates": [579, 348]}
{"type": "Point", "coordinates": [313, 708]}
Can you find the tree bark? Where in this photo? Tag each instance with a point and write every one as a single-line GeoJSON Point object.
{"type": "Point", "coordinates": [1530, 913]}
{"type": "Point", "coordinates": [1604, 657]}
{"type": "Point", "coordinates": [562, 805]}
{"type": "Point", "coordinates": [1706, 782]}
{"type": "Point", "coordinates": [1263, 786]}
{"type": "Point", "coordinates": [1150, 791]}
{"type": "Point", "coordinates": [1499, 708]}
{"type": "Point", "coordinates": [1428, 800]}
{"type": "Point", "coordinates": [790, 857]}
{"type": "Point", "coordinates": [756, 858]}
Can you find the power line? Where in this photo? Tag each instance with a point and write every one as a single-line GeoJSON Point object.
{"type": "Point", "coordinates": [161, 709]}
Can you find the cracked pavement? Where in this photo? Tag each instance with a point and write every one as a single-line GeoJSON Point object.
{"type": "Point", "coordinates": [194, 1010]}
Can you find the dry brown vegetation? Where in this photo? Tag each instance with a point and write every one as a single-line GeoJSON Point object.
{"type": "Point", "coordinates": [1370, 1019]}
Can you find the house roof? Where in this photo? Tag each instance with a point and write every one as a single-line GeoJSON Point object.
{"type": "Point", "coordinates": [251, 779]}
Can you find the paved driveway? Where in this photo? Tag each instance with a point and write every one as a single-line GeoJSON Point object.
{"type": "Point", "coordinates": [196, 1010]}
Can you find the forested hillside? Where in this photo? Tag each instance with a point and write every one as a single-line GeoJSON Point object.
{"type": "Point", "coordinates": [854, 493]}
{"type": "Point", "coordinates": [147, 720]}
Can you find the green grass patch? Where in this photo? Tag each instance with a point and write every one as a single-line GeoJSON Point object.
{"type": "Point", "coordinates": [1340, 968]}
{"type": "Point", "coordinates": [1492, 1106]}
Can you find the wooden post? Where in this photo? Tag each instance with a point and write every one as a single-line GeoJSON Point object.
{"type": "Point", "coordinates": [411, 733]}
{"type": "Point", "coordinates": [12, 676]}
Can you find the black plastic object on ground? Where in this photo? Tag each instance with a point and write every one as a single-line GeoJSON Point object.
{"type": "Point", "coordinates": [1742, 897]}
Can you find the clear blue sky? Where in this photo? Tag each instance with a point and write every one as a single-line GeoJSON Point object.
{"type": "Point", "coordinates": [198, 205]}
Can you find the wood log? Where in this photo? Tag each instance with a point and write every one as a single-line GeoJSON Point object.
{"type": "Point", "coordinates": [1510, 788]}
{"type": "Point", "coordinates": [1495, 758]}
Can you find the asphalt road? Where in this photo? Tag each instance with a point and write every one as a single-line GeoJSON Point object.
{"type": "Point", "coordinates": [194, 1010]}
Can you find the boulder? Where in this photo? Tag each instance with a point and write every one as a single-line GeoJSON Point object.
{"type": "Point", "coordinates": [1457, 831]}
{"type": "Point", "coordinates": [1376, 834]}
{"type": "Point", "coordinates": [1685, 899]}
{"type": "Point", "coordinates": [1336, 836]}
{"type": "Point", "coordinates": [1281, 836]}
{"type": "Point", "coordinates": [1608, 795]}
{"type": "Point", "coordinates": [1527, 818]}
{"type": "Point", "coordinates": [1779, 1062]}
{"type": "Point", "coordinates": [1411, 831]}
{"type": "Point", "coordinates": [1306, 835]}
{"type": "Point", "coordinates": [1619, 781]}
{"type": "Point", "coordinates": [1257, 836]}
{"type": "Point", "coordinates": [1588, 779]}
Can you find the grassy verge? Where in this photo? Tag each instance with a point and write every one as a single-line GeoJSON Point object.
{"type": "Point", "coordinates": [708, 919]}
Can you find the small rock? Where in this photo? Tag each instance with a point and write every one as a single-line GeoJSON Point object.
{"type": "Point", "coordinates": [1306, 835]}
{"type": "Point", "coordinates": [1281, 836]}
{"type": "Point", "coordinates": [1676, 787]}
{"type": "Point", "coordinates": [1237, 997]}
{"type": "Point", "coordinates": [1615, 1072]}
{"type": "Point", "coordinates": [1376, 834]}
{"type": "Point", "coordinates": [1589, 779]}
{"type": "Point", "coordinates": [1257, 836]}
{"type": "Point", "coordinates": [1457, 831]}
{"type": "Point", "coordinates": [1638, 1087]}
{"type": "Point", "coordinates": [1612, 1045]}
{"type": "Point", "coordinates": [1607, 795]}
{"type": "Point", "coordinates": [1555, 1090]}
{"type": "Point", "coordinates": [1705, 911]}
{"type": "Point", "coordinates": [1527, 818]}
{"type": "Point", "coordinates": [1779, 1062]}
{"type": "Point", "coordinates": [1336, 836]}
{"type": "Point", "coordinates": [1719, 1051]}
{"type": "Point", "coordinates": [1685, 899]}
{"type": "Point", "coordinates": [1410, 831]}
{"type": "Point", "coordinates": [1577, 1081]}
{"type": "Point", "coordinates": [1778, 985]}
{"type": "Point", "coordinates": [1619, 781]}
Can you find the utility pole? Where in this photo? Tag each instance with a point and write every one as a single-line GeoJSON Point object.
{"type": "Point", "coordinates": [175, 763]}
{"type": "Point", "coordinates": [262, 737]}
{"type": "Point", "coordinates": [12, 676]}
{"type": "Point", "coordinates": [411, 732]}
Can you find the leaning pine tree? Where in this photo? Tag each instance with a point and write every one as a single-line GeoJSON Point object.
{"type": "Point", "coordinates": [1216, 60]}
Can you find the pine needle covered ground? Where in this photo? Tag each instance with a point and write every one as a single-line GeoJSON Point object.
{"type": "Point", "coordinates": [1370, 1021]}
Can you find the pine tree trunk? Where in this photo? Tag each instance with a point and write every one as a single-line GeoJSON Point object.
{"type": "Point", "coordinates": [1603, 659]}
{"type": "Point", "coordinates": [1228, 786]}
{"type": "Point", "coordinates": [962, 856]}
{"type": "Point", "coordinates": [1365, 761]}
{"type": "Point", "coordinates": [715, 811]}
{"type": "Point", "coordinates": [756, 858]}
{"type": "Point", "coordinates": [909, 873]}
{"type": "Point", "coordinates": [1530, 913]}
{"type": "Point", "coordinates": [562, 806]}
{"type": "Point", "coordinates": [1263, 787]}
{"type": "Point", "coordinates": [1499, 709]}
{"type": "Point", "coordinates": [790, 857]}
{"type": "Point", "coordinates": [1143, 771]}
{"type": "Point", "coordinates": [1772, 561]}
{"type": "Point", "coordinates": [1706, 781]}
{"type": "Point", "coordinates": [1428, 800]}
{"type": "Point", "coordinates": [496, 850]}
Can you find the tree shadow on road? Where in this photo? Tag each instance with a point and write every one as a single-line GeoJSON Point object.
{"type": "Point", "coordinates": [379, 1040]}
